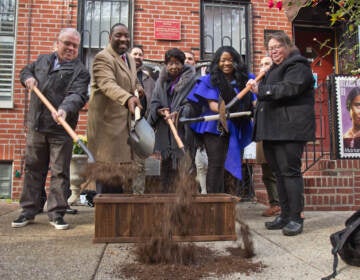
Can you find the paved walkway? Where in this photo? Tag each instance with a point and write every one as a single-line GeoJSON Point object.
{"type": "Point", "coordinates": [38, 251]}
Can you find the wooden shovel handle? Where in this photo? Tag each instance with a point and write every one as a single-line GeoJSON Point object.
{"type": "Point", "coordinates": [173, 130]}
{"type": "Point", "coordinates": [64, 124]}
{"type": "Point", "coordinates": [52, 109]}
{"type": "Point", "coordinates": [137, 109]}
{"type": "Point", "coordinates": [248, 88]}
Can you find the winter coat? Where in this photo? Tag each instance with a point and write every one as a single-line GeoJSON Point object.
{"type": "Point", "coordinates": [285, 106]}
{"type": "Point", "coordinates": [148, 84]}
{"type": "Point", "coordinates": [66, 88]}
{"type": "Point", "coordinates": [113, 83]}
{"type": "Point", "coordinates": [164, 140]}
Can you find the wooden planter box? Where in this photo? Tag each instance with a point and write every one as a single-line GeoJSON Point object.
{"type": "Point", "coordinates": [123, 217]}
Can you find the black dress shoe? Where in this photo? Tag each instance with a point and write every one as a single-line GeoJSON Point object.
{"type": "Point", "coordinates": [278, 223]}
{"type": "Point", "coordinates": [292, 228]}
{"type": "Point", "coordinates": [71, 211]}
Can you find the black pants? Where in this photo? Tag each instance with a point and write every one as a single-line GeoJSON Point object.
{"type": "Point", "coordinates": [168, 175]}
{"type": "Point", "coordinates": [216, 148]}
{"type": "Point", "coordinates": [284, 158]}
{"type": "Point", "coordinates": [106, 188]}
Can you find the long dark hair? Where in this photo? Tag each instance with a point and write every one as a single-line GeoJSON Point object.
{"type": "Point", "coordinates": [240, 75]}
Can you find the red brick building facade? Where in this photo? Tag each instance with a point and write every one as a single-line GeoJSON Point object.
{"type": "Point", "coordinates": [330, 184]}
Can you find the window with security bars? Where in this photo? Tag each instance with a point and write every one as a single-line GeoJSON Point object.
{"type": "Point", "coordinates": [5, 179]}
{"type": "Point", "coordinates": [225, 23]}
{"type": "Point", "coordinates": [97, 17]}
{"type": "Point", "coordinates": [7, 51]}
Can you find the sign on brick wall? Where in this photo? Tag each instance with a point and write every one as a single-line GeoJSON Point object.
{"type": "Point", "coordinates": [167, 30]}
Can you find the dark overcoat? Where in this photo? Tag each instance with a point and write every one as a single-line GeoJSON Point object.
{"type": "Point", "coordinates": [164, 140]}
{"type": "Point", "coordinates": [285, 106]}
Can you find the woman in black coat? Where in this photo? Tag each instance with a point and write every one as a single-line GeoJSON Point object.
{"type": "Point", "coordinates": [171, 89]}
{"type": "Point", "coordinates": [285, 121]}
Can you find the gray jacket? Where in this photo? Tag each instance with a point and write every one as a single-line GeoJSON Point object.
{"type": "Point", "coordinates": [164, 140]}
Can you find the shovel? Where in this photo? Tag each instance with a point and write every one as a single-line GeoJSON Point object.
{"type": "Point", "coordinates": [215, 117]}
{"type": "Point", "coordinates": [141, 136]}
{"type": "Point", "coordinates": [222, 113]}
{"type": "Point", "coordinates": [64, 124]}
{"type": "Point", "coordinates": [173, 129]}
{"type": "Point", "coordinates": [243, 92]}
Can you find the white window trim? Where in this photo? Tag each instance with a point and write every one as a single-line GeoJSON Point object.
{"type": "Point", "coordinates": [9, 104]}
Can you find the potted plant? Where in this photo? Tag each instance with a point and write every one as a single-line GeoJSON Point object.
{"type": "Point", "coordinates": [77, 169]}
{"type": "Point", "coordinates": [77, 150]}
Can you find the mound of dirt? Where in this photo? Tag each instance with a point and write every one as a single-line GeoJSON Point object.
{"type": "Point", "coordinates": [205, 262]}
{"type": "Point", "coordinates": [159, 257]}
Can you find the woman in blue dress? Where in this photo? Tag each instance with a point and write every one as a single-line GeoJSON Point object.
{"type": "Point", "coordinates": [227, 76]}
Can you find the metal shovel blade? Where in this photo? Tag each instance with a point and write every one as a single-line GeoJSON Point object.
{"type": "Point", "coordinates": [142, 138]}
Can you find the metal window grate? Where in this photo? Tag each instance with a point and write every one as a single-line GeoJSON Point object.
{"type": "Point", "coordinates": [225, 23]}
{"type": "Point", "coordinates": [97, 18]}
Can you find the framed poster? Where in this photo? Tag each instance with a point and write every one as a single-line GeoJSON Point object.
{"type": "Point", "coordinates": [347, 116]}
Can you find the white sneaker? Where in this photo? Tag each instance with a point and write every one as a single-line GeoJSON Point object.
{"type": "Point", "coordinates": [21, 222]}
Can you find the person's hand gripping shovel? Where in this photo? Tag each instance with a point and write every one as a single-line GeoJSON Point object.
{"type": "Point", "coordinates": [64, 124]}
{"type": "Point", "coordinates": [224, 109]}
{"type": "Point", "coordinates": [242, 93]}
{"type": "Point", "coordinates": [168, 118]}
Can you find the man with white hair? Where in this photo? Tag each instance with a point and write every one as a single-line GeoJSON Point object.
{"type": "Point", "coordinates": [64, 80]}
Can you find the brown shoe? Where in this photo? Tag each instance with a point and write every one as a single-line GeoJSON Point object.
{"type": "Point", "coordinates": [272, 211]}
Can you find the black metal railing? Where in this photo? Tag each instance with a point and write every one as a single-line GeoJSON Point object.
{"type": "Point", "coordinates": [314, 150]}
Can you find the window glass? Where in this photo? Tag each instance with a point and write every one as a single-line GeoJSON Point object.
{"type": "Point", "coordinates": [5, 179]}
{"type": "Point", "coordinates": [7, 55]}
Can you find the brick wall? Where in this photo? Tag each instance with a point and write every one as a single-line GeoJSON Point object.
{"type": "Point", "coordinates": [186, 11]}
{"type": "Point", "coordinates": [38, 24]}
{"type": "Point", "coordinates": [328, 185]}
{"type": "Point", "coordinates": [40, 20]}
{"type": "Point", "coordinates": [265, 18]}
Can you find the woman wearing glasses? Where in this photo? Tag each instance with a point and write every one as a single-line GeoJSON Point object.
{"type": "Point", "coordinates": [285, 121]}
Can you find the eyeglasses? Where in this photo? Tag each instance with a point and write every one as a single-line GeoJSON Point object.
{"type": "Point", "coordinates": [68, 44]}
{"type": "Point", "coordinates": [275, 48]}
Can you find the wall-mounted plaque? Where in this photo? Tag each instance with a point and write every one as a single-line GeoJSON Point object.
{"type": "Point", "coordinates": [167, 30]}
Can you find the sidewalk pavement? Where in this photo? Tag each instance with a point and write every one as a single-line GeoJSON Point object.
{"type": "Point", "coordinates": [38, 251]}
